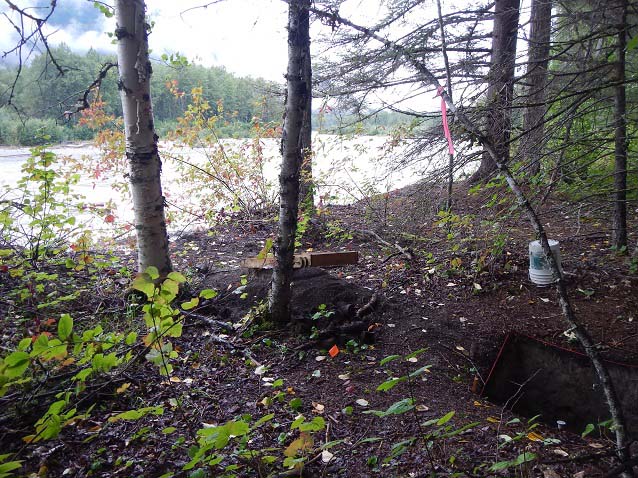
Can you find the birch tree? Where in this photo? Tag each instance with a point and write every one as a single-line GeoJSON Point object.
{"type": "Point", "coordinates": [141, 141]}
{"type": "Point", "coordinates": [292, 148]}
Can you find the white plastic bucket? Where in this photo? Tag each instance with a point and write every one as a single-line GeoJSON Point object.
{"type": "Point", "coordinates": [539, 271]}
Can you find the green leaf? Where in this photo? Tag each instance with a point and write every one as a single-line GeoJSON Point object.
{"type": "Point", "coordinates": [16, 363]}
{"type": "Point", "coordinates": [131, 338]}
{"type": "Point", "coordinates": [264, 419]}
{"type": "Point", "coordinates": [389, 358]}
{"type": "Point", "coordinates": [590, 426]}
{"type": "Point", "coordinates": [445, 418]}
{"type": "Point", "coordinates": [389, 384]}
{"type": "Point", "coordinates": [152, 272]}
{"type": "Point", "coordinates": [267, 247]}
{"type": "Point", "coordinates": [65, 326]}
{"type": "Point", "coordinates": [5, 468]}
{"type": "Point", "coordinates": [315, 425]}
{"type": "Point", "coordinates": [25, 344]}
{"type": "Point", "coordinates": [236, 428]}
{"type": "Point", "coordinates": [396, 408]}
{"type": "Point", "coordinates": [416, 353]}
{"type": "Point", "coordinates": [137, 414]}
{"type": "Point", "coordinates": [208, 294]}
{"type": "Point", "coordinates": [523, 458]}
{"type": "Point", "coordinates": [177, 277]}
{"type": "Point", "coordinates": [170, 286]}
{"type": "Point", "coordinates": [632, 43]}
{"type": "Point", "coordinates": [145, 286]}
{"type": "Point", "coordinates": [191, 304]}
{"type": "Point", "coordinates": [295, 403]}
{"type": "Point", "coordinates": [168, 430]}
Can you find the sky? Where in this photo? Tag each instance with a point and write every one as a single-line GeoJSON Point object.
{"type": "Point", "coordinates": [245, 36]}
{"type": "Point", "coordinates": [248, 37]}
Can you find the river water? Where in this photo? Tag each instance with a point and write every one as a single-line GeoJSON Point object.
{"type": "Point", "coordinates": [346, 170]}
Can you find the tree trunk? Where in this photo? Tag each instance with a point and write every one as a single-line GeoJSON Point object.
{"type": "Point", "coordinates": [532, 142]}
{"type": "Point", "coordinates": [500, 85]}
{"type": "Point", "coordinates": [297, 102]}
{"type": "Point", "coordinates": [306, 192]}
{"type": "Point", "coordinates": [619, 236]}
{"type": "Point", "coordinates": [141, 141]}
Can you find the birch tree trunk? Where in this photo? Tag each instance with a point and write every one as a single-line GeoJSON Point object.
{"type": "Point", "coordinates": [533, 119]}
{"type": "Point", "coordinates": [297, 93]}
{"type": "Point", "coordinates": [141, 141]}
{"type": "Point", "coordinates": [501, 85]}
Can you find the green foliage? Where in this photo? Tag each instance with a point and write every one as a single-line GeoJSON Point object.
{"type": "Point", "coordinates": [161, 319]}
{"type": "Point", "coordinates": [36, 213]}
{"type": "Point", "coordinates": [243, 97]}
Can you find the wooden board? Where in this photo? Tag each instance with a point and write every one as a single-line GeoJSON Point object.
{"type": "Point", "coordinates": [306, 259]}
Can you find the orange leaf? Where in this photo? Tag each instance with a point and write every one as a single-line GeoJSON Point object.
{"type": "Point", "coordinates": [533, 436]}
{"type": "Point", "coordinates": [334, 351]}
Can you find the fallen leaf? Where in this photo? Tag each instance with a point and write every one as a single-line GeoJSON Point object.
{"type": "Point", "coordinates": [123, 388]}
{"type": "Point", "coordinates": [334, 351]}
{"type": "Point", "coordinates": [559, 452]}
{"type": "Point", "coordinates": [596, 445]}
{"type": "Point", "coordinates": [344, 376]}
{"type": "Point", "coordinates": [413, 359]}
{"type": "Point", "coordinates": [362, 402]}
{"type": "Point", "coordinates": [326, 456]}
{"type": "Point", "coordinates": [175, 379]}
{"type": "Point", "coordinates": [580, 474]}
{"type": "Point", "coordinates": [422, 408]}
{"type": "Point", "coordinates": [533, 436]}
{"type": "Point", "coordinates": [318, 407]}
{"type": "Point", "coordinates": [304, 442]}
{"type": "Point", "coordinates": [260, 370]}
{"type": "Point", "coordinates": [451, 284]}
{"type": "Point", "coordinates": [493, 420]}
{"type": "Point", "coordinates": [549, 473]}
{"type": "Point", "coordinates": [320, 358]}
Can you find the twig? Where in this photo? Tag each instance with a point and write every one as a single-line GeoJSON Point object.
{"type": "Point", "coordinates": [207, 320]}
{"type": "Point", "coordinates": [402, 250]}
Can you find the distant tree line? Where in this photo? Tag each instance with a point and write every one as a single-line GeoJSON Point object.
{"type": "Point", "coordinates": [43, 99]}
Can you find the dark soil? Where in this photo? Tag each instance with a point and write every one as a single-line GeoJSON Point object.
{"type": "Point", "coordinates": [462, 289]}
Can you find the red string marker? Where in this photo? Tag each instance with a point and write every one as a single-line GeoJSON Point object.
{"type": "Point", "coordinates": [446, 127]}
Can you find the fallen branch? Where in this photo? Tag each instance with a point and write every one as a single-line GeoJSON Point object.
{"type": "Point", "coordinates": [401, 250]}
{"type": "Point", "coordinates": [368, 307]}
{"type": "Point", "coordinates": [207, 320]}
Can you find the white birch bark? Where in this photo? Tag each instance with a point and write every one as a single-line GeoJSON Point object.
{"type": "Point", "coordinates": [141, 141]}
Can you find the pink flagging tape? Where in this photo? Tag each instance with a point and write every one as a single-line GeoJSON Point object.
{"type": "Point", "coordinates": [446, 127]}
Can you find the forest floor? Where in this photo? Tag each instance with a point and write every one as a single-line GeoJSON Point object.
{"type": "Point", "coordinates": [457, 290]}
